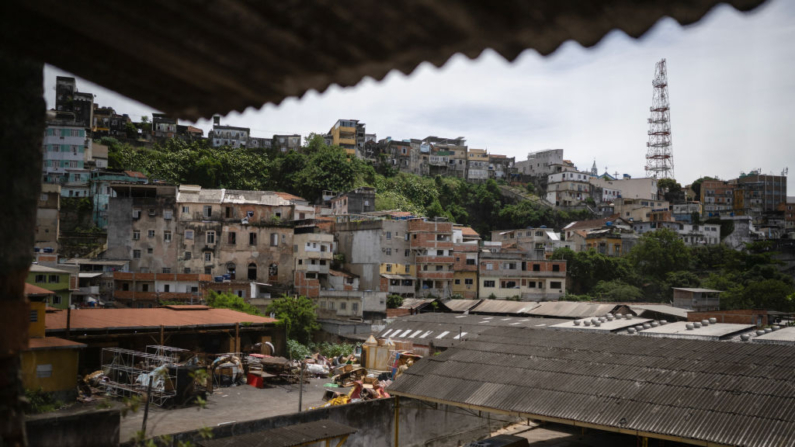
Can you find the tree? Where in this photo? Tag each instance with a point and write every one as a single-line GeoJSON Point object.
{"type": "Point", "coordinates": [394, 301]}
{"type": "Point", "coordinates": [587, 268]}
{"type": "Point", "coordinates": [658, 253]}
{"type": "Point", "coordinates": [221, 300]}
{"type": "Point", "coordinates": [131, 130]}
{"type": "Point", "coordinates": [696, 185]}
{"type": "Point", "coordinates": [328, 168]}
{"type": "Point", "coordinates": [298, 315]}
{"type": "Point", "coordinates": [616, 290]}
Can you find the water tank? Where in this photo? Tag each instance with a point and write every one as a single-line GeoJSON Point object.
{"type": "Point", "coordinates": [713, 320]}
{"type": "Point", "coordinates": [689, 326]}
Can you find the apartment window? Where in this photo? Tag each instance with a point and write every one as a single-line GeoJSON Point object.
{"type": "Point", "coordinates": [536, 267]}
{"type": "Point", "coordinates": [232, 238]}
{"type": "Point", "coordinates": [470, 262]}
{"type": "Point", "coordinates": [150, 250]}
{"type": "Point", "coordinates": [185, 210]}
{"type": "Point", "coordinates": [389, 252]}
{"type": "Point", "coordinates": [44, 371]}
{"type": "Point", "coordinates": [136, 235]}
{"type": "Point", "coordinates": [489, 266]}
{"type": "Point", "coordinates": [457, 282]}
{"type": "Point", "coordinates": [151, 233]}
{"type": "Point", "coordinates": [408, 268]}
{"type": "Point", "coordinates": [331, 305]}
{"type": "Point", "coordinates": [186, 270]}
{"type": "Point", "coordinates": [439, 268]}
{"type": "Point", "coordinates": [167, 214]}
{"type": "Point", "coordinates": [56, 299]}
{"type": "Point", "coordinates": [274, 240]}
{"type": "Point", "coordinates": [407, 236]}
{"type": "Point", "coordinates": [555, 267]}
{"type": "Point", "coordinates": [389, 268]}
{"type": "Point", "coordinates": [166, 270]}
{"type": "Point", "coordinates": [389, 235]}
{"type": "Point", "coordinates": [208, 270]}
{"type": "Point", "coordinates": [208, 257]}
{"type": "Point", "coordinates": [343, 306]}
{"type": "Point", "coordinates": [228, 212]}
{"type": "Point", "coordinates": [208, 211]}
{"type": "Point", "coordinates": [210, 237]}
{"type": "Point", "coordinates": [252, 239]}
{"type": "Point", "coordinates": [355, 307]}
{"type": "Point", "coordinates": [189, 234]}
{"type": "Point", "coordinates": [488, 284]}
{"type": "Point", "coordinates": [406, 252]}
{"type": "Point", "coordinates": [300, 262]}
{"type": "Point", "coordinates": [188, 256]}
{"type": "Point", "coordinates": [41, 278]}
{"type": "Point", "coordinates": [136, 254]}
{"type": "Point", "coordinates": [508, 284]}
{"type": "Point", "coordinates": [469, 281]}
{"type": "Point", "coordinates": [166, 236]}
{"type": "Point", "coordinates": [439, 252]}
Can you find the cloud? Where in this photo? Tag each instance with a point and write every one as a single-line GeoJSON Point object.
{"type": "Point", "coordinates": [731, 88]}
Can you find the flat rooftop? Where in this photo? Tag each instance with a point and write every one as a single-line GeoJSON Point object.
{"type": "Point", "coordinates": [784, 336]}
{"type": "Point", "coordinates": [618, 324]}
{"type": "Point", "coordinates": [679, 329]}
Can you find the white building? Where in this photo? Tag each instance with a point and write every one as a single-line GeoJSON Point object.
{"type": "Point", "coordinates": [66, 153]}
{"type": "Point", "coordinates": [541, 163]}
{"type": "Point", "coordinates": [629, 188]}
{"type": "Point", "coordinates": [692, 235]}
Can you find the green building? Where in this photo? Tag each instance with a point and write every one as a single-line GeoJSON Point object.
{"type": "Point", "coordinates": [59, 281]}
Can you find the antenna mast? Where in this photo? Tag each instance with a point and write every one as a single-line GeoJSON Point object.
{"type": "Point", "coordinates": [660, 154]}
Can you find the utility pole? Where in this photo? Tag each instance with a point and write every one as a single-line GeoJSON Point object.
{"type": "Point", "coordinates": [301, 387]}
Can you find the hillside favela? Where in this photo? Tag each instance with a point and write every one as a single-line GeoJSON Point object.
{"type": "Point", "coordinates": [430, 225]}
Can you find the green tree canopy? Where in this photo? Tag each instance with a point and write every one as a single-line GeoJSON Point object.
{"type": "Point", "coordinates": [298, 315]}
{"type": "Point", "coordinates": [659, 253]}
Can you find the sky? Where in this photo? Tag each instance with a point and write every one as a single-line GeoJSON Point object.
{"type": "Point", "coordinates": [731, 83]}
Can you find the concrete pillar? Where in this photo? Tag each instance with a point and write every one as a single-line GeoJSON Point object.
{"type": "Point", "coordinates": [22, 116]}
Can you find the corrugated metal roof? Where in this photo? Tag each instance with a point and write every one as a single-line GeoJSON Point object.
{"type": "Point", "coordinates": [443, 329]}
{"type": "Point", "coordinates": [49, 343]}
{"type": "Point", "coordinates": [504, 307]}
{"type": "Point", "coordinates": [697, 290]}
{"type": "Point", "coordinates": [414, 303]}
{"type": "Point", "coordinates": [194, 61]}
{"type": "Point", "coordinates": [572, 309]}
{"type": "Point", "coordinates": [292, 435]}
{"type": "Point", "coordinates": [92, 319]}
{"type": "Point", "coordinates": [31, 290]}
{"type": "Point", "coordinates": [660, 309]}
{"type": "Point", "coordinates": [461, 305]}
{"type": "Point", "coordinates": [724, 393]}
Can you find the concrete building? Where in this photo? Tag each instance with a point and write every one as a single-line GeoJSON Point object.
{"type": "Point", "coordinates": [763, 190]}
{"type": "Point", "coordinates": [349, 135]}
{"type": "Point", "coordinates": [433, 244]}
{"type": "Point", "coordinates": [693, 235]}
{"type": "Point", "coordinates": [510, 274]}
{"type": "Point", "coordinates": [538, 243]}
{"type": "Point", "coordinates": [398, 270]}
{"type": "Point", "coordinates": [356, 201]}
{"type": "Point", "coordinates": [146, 290]}
{"type": "Point", "coordinates": [287, 142]}
{"type": "Point", "coordinates": [68, 100]}
{"type": "Point", "coordinates": [401, 155]}
{"type": "Point", "coordinates": [611, 240]}
{"type": "Point", "coordinates": [228, 135]}
{"type": "Point", "coordinates": [107, 123]}
{"type": "Point", "coordinates": [642, 210]}
{"type": "Point", "coordinates": [630, 188]}
{"type": "Point", "coordinates": [48, 215]}
{"type": "Point", "coordinates": [477, 165]}
{"type": "Point", "coordinates": [789, 214]}
{"type": "Point", "coordinates": [101, 190]}
{"type": "Point", "coordinates": [163, 126]}
{"type": "Point", "coordinates": [313, 254]}
{"type": "Point", "coordinates": [697, 299]}
{"type": "Point", "coordinates": [541, 163]}
{"type": "Point", "coordinates": [501, 167]}
{"type": "Point", "coordinates": [717, 197]}
{"type": "Point", "coordinates": [59, 281]}
{"type": "Point", "coordinates": [683, 212]}
{"type": "Point", "coordinates": [67, 150]}
{"type": "Point", "coordinates": [465, 269]}
{"type": "Point", "coordinates": [569, 188]}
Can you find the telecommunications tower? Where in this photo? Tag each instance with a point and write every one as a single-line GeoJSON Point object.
{"type": "Point", "coordinates": [660, 153]}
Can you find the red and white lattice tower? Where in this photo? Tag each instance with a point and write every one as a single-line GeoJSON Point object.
{"type": "Point", "coordinates": [660, 152]}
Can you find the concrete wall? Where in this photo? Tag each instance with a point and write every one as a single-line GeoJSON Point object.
{"type": "Point", "coordinates": [420, 424]}
{"type": "Point", "coordinates": [63, 377]}
{"type": "Point", "coordinates": [85, 429]}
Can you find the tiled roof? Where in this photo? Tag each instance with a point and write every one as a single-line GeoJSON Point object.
{"type": "Point", "coordinates": [587, 224]}
{"type": "Point", "coordinates": [31, 290]}
{"type": "Point", "coordinates": [38, 268]}
{"type": "Point", "coordinates": [468, 231]}
{"type": "Point", "coordinates": [288, 196]}
{"type": "Point", "coordinates": [287, 54]}
{"type": "Point", "coordinates": [93, 319]}
{"type": "Point", "coordinates": [698, 391]}
{"type": "Point", "coordinates": [135, 174]}
{"type": "Point", "coordinates": [35, 344]}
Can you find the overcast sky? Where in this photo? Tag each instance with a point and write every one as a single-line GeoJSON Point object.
{"type": "Point", "coordinates": [731, 85]}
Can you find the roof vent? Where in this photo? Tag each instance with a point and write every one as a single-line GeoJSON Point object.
{"type": "Point", "coordinates": [609, 316]}
{"type": "Point", "coordinates": [775, 328]}
{"type": "Point", "coordinates": [597, 323]}
{"type": "Point", "coordinates": [639, 327]}
{"type": "Point", "coordinates": [662, 322]}
{"type": "Point", "coordinates": [705, 322]}
{"type": "Point", "coordinates": [631, 330]}
{"type": "Point", "coordinates": [768, 330]}
{"type": "Point", "coordinates": [758, 333]}
{"type": "Point", "coordinates": [646, 326]}
{"type": "Point", "coordinates": [602, 319]}
{"type": "Point", "coordinates": [594, 320]}
{"type": "Point", "coordinates": [618, 315]}
{"type": "Point", "coordinates": [654, 324]}
{"type": "Point", "coordinates": [745, 337]}
{"type": "Point", "coordinates": [696, 325]}
{"type": "Point", "coordinates": [587, 322]}
{"type": "Point", "coordinates": [576, 322]}
{"type": "Point", "coordinates": [689, 326]}
{"type": "Point", "coordinates": [629, 316]}
{"type": "Point", "coordinates": [713, 320]}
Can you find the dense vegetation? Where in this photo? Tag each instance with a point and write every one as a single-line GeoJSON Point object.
{"type": "Point", "coordinates": [749, 278]}
{"type": "Point", "coordinates": [319, 167]}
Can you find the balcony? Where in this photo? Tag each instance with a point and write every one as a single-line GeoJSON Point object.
{"type": "Point", "coordinates": [431, 259]}
{"type": "Point", "coordinates": [317, 268]}
{"type": "Point", "coordinates": [435, 275]}
{"type": "Point", "coordinates": [419, 244]}
{"type": "Point", "coordinates": [326, 255]}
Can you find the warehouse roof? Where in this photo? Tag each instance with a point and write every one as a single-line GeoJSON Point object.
{"type": "Point", "coordinates": [680, 329]}
{"type": "Point", "coordinates": [572, 309]}
{"type": "Point", "coordinates": [187, 59]}
{"type": "Point", "coordinates": [289, 436]}
{"type": "Point", "coordinates": [460, 305]}
{"type": "Point", "coordinates": [51, 343]}
{"type": "Point", "coordinates": [616, 325]}
{"type": "Point", "coordinates": [782, 336]}
{"type": "Point", "coordinates": [443, 329]}
{"type": "Point", "coordinates": [660, 309]}
{"type": "Point", "coordinates": [504, 307]}
{"type": "Point", "coordinates": [724, 393]}
{"type": "Point", "coordinates": [170, 317]}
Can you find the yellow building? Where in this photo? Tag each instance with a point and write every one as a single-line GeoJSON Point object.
{"type": "Point", "coordinates": [348, 134]}
{"type": "Point", "coordinates": [465, 284]}
{"type": "Point", "coordinates": [50, 363]}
